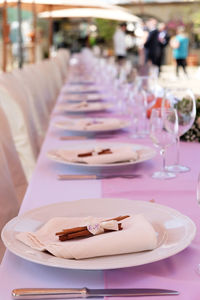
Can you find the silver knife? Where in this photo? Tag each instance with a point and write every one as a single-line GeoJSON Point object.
{"type": "Point", "coordinates": [92, 176]}
{"type": "Point", "coordinates": [42, 293]}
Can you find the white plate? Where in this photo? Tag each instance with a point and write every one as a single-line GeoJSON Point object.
{"type": "Point", "coordinates": [150, 153]}
{"type": "Point", "coordinates": [82, 89]}
{"type": "Point", "coordinates": [92, 107]}
{"type": "Point", "coordinates": [71, 125]}
{"type": "Point", "coordinates": [83, 97]}
{"type": "Point", "coordinates": [175, 232]}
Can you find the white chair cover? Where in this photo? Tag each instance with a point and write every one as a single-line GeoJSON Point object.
{"type": "Point", "coordinates": [46, 85]}
{"type": "Point", "coordinates": [9, 205]}
{"type": "Point", "coordinates": [19, 130]}
{"type": "Point", "coordinates": [36, 110]}
{"type": "Point", "coordinates": [31, 81]}
{"type": "Point", "coordinates": [18, 93]}
{"type": "Point", "coordinates": [14, 164]}
{"type": "Point", "coordinates": [63, 61]}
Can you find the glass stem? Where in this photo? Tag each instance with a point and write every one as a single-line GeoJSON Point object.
{"type": "Point", "coordinates": [177, 150]}
{"type": "Point", "coordinates": [162, 153]}
{"type": "Point", "coordinates": [136, 127]}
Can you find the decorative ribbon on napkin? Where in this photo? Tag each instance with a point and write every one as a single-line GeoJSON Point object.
{"type": "Point", "coordinates": [137, 235]}
{"type": "Point", "coordinates": [98, 228]}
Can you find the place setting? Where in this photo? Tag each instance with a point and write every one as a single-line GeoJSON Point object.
{"type": "Point", "coordinates": [110, 234]}
{"type": "Point", "coordinates": [84, 107]}
{"type": "Point", "coordinates": [80, 89]}
{"type": "Point", "coordinates": [101, 154]}
{"type": "Point", "coordinates": [92, 125]}
{"type": "Point", "coordinates": [98, 97]}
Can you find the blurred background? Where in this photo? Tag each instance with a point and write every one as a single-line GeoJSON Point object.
{"type": "Point", "coordinates": [38, 29]}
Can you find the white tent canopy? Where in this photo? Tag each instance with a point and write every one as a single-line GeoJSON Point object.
{"type": "Point", "coordinates": [72, 3]}
{"type": "Point", "coordinates": [111, 14]}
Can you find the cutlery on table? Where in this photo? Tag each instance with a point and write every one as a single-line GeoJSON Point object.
{"type": "Point", "coordinates": [91, 176]}
{"type": "Point", "coordinates": [82, 137]}
{"type": "Point", "coordinates": [71, 138]}
{"type": "Point", "coordinates": [42, 293]}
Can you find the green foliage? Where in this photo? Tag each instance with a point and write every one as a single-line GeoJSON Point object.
{"type": "Point", "coordinates": [196, 18]}
{"type": "Point", "coordinates": [106, 29]}
{"type": "Point", "coordinates": [193, 134]}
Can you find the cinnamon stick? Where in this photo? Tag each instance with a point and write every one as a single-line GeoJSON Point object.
{"type": "Point", "coordinates": [105, 151]}
{"type": "Point", "coordinates": [85, 154]}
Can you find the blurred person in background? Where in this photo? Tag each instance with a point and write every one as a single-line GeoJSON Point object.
{"type": "Point", "coordinates": [180, 44]}
{"type": "Point", "coordinates": [163, 40]}
{"type": "Point", "coordinates": [119, 40]}
{"type": "Point", "coordinates": [152, 44]}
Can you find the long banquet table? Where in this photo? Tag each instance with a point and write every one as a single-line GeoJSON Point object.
{"type": "Point", "coordinates": [177, 272]}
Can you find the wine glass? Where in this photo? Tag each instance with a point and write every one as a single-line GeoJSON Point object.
{"type": "Point", "coordinates": [148, 85]}
{"type": "Point", "coordinates": [183, 100]}
{"type": "Point", "coordinates": [136, 106]}
{"type": "Point", "coordinates": [163, 132]}
{"type": "Point", "coordinates": [143, 99]}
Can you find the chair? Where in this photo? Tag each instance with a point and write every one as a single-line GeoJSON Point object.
{"type": "Point", "coordinates": [9, 205]}
{"type": "Point", "coordinates": [20, 132]}
{"type": "Point", "coordinates": [26, 79]}
{"type": "Point", "coordinates": [21, 96]}
{"type": "Point", "coordinates": [46, 84]}
{"type": "Point", "coordinates": [63, 61]}
{"type": "Point", "coordinates": [13, 161]}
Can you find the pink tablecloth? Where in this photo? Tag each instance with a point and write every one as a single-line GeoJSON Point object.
{"type": "Point", "coordinates": [177, 272]}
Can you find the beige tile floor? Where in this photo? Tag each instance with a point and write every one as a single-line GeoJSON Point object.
{"type": "Point", "coordinates": [168, 78]}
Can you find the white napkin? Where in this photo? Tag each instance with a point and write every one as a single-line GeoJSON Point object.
{"type": "Point", "coordinates": [119, 154]}
{"type": "Point", "coordinates": [137, 235]}
{"type": "Point", "coordinates": [92, 124]}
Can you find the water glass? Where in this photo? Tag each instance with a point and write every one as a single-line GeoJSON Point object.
{"type": "Point", "coordinates": [163, 131]}
{"type": "Point", "coordinates": [183, 100]}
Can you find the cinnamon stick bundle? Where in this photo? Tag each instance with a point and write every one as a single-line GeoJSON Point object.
{"type": "Point", "coordinates": [104, 151]}
{"type": "Point", "coordinates": [82, 231]}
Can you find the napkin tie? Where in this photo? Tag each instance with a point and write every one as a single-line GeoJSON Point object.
{"type": "Point", "coordinates": [97, 228]}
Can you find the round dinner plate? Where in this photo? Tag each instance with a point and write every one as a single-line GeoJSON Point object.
{"type": "Point", "coordinates": [175, 232]}
{"type": "Point", "coordinates": [76, 90]}
{"type": "Point", "coordinates": [92, 107]}
{"type": "Point", "coordinates": [149, 154]}
{"type": "Point", "coordinates": [70, 126]}
{"type": "Point", "coordinates": [84, 97]}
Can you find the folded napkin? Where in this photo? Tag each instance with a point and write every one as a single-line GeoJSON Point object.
{"type": "Point", "coordinates": [95, 155]}
{"type": "Point", "coordinates": [88, 124]}
{"type": "Point", "coordinates": [84, 106]}
{"type": "Point", "coordinates": [137, 235]}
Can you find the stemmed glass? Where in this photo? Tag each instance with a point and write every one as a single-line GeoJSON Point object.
{"type": "Point", "coordinates": [183, 100]}
{"type": "Point", "coordinates": [142, 98]}
{"type": "Point", "coordinates": [163, 132]}
{"type": "Point", "coordinates": [137, 109]}
{"type": "Point", "coordinates": [147, 84]}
